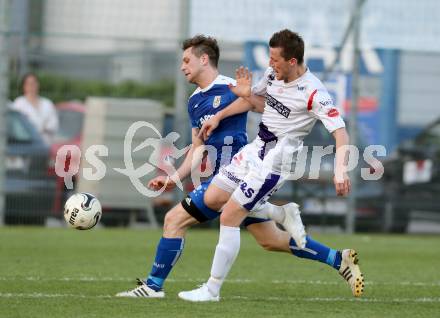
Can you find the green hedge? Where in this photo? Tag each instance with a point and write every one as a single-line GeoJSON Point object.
{"type": "Point", "coordinates": [59, 89]}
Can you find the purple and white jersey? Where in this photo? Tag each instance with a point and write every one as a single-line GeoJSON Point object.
{"type": "Point", "coordinates": [293, 108]}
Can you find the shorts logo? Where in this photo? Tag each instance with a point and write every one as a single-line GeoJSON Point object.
{"type": "Point", "coordinates": [217, 101]}
{"type": "Point", "coordinates": [333, 112]}
{"type": "Point", "coordinates": [247, 192]}
{"type": "Point", "coordinates": [230, 176]}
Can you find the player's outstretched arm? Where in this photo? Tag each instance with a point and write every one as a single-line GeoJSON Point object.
{"type": "Point", "coordinates": [243, 89]}
{"type": "Point", "coordinates": [245, 103]}
{"type": "Point", "coordinates": [341, 179]}
{"type": "Point", "coordinates": [257, 101]}
{"type": "Point", "coordinates": [158, 182]}
{"type": "Point", "coordinates": [193, 158]}
{"type": "Point", "coordinates": [243, 80]}
{"type": "Point", "coordinates": [185, 168]}
{"type": "Point", "coordinates": [239, 106]}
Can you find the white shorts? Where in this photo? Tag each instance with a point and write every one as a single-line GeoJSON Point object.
{"type": "Point", "coordinates": [252, 177]}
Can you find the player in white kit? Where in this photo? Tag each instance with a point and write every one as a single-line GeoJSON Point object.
{"type": "Point", "coordinates": [295, 100]}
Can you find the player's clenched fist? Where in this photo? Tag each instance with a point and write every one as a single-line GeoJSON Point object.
{"type": "Point", "coordinates": [342, 185]}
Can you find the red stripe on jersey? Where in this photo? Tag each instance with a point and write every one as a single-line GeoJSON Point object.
{"type": "Point", "coordinates": [333, 112]}
{"type": "Point", "coordinates": [310, 102]}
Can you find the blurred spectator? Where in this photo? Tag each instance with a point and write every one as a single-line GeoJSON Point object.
{"type": "Point", "coordinates": [39, 110]}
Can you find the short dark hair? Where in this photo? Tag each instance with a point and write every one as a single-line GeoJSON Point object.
{"type": "Point", "coordinates": [202, 44]}
{"type": "Point", "coordinates": [291, 43]}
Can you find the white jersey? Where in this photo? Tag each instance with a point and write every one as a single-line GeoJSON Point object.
{"type": "Point", "coordinates": [43, 116]}
{"type": "Point", "coordinates": [293, 108]}
{"type": "Point", "coordinates": [261, 167]}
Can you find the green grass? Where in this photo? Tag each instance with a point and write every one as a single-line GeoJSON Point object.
{"type": "Point", "coordinates": [68, 273]}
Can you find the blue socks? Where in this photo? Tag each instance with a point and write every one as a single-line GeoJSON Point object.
{"type": "Point", "coordinates": [317, 252]}
{"type": "Point", "coordinates": [167, 253]}
{"type": "Point", "coordinates": [169, 250]}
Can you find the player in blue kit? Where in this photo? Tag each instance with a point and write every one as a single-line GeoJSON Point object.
{"type": "Point", "coordinates": [199, 65]}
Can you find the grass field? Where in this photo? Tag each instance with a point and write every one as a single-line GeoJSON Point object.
{"type": "Point", "coordinates": [68, 273]}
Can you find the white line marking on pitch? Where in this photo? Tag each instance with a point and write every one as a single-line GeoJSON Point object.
{"type": "Point", "coordinates": [43, 295]}
{"type": "Point", "coordinates": [299, 299]}
{"type": "Point", "coordinates": [199, 280]}
{"type": "Point", "coordinates": [331, 299]}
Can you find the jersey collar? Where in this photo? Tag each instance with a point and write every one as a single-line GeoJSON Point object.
{"type": "Point", "coordinates": [299, 79]}
{"type": "Point", "coordinates": [207, 88]}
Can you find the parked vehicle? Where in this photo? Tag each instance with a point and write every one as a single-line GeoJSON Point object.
{"type": "Point", "coordinates": [71, 118]}
{"type": "Point", "coordinates": [412, 177]}
{"type": "Point", "coordinates": [317, 195]}
{"type": "Point", "coordinates": [29, 189]}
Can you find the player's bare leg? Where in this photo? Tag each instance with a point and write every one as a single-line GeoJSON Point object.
{"type": "Point", "coordinates": [215, 197]}
{"type": "Point", "coordinates": [177, 221]}
{"type": "Point", "coordinates": [270, 237]}
{"type": "Point", "coordinates": [287, 215]}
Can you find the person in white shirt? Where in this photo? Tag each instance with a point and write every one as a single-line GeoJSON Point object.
{"type": "Point", "coordinates": [39, 110]}
{"type": "Point", "coordinates": [294, 100]}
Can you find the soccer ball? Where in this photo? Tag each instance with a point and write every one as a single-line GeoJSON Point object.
{"type": "Point", "coordinates": [82, 211]}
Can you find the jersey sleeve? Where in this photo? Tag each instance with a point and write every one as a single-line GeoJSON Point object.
{"type": "Point", "coordinates": [193, 123]}
{"type": "Point", "coordinates": [231, 97]}
{"type": "Point", "coordinates": [192, 118]}
{"type": "Point", "coordinates": [320, 105]}
{"type": "Point", "coordinates": [229, 94]}
{"type": "Point", "coordinates": [260, 87]}
{"type": "Point", "coordinates": [17, 104]}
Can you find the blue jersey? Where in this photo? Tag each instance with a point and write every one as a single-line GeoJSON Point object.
{"type": "Point", "coordinates": [205, 103]}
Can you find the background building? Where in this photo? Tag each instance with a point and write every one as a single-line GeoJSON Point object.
{"type": "Point", "coordinates": [138, 40]}
{"type": "Point", "coordinates": [132, 49]}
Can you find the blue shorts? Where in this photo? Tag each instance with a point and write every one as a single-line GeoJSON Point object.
{"type": "Point", "coordinates": [196, 207]}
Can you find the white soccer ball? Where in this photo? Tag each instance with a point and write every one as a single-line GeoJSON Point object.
{"type": "Point", "coordinates": [82, 211]}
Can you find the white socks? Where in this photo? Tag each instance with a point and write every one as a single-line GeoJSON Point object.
{"type": "Point", "coordinates": [226, 252]}
{"type": "Point", "coordinates": [228, 246]}
{"type": "Point", "coordinates": [269, 211]}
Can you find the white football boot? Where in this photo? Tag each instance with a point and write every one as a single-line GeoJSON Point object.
{"type": "Point", "coordinates": [142, 291]}
{"type": "Point", "coordinates": [351, 272]}
{"type": "Point", "coordinates": [198, 295]}
{"type": "Point", "coordinates": [293, 224]}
